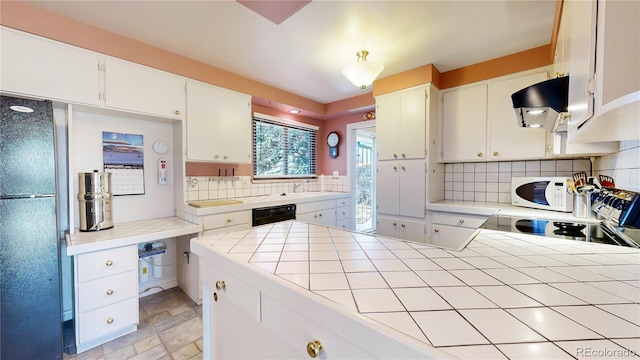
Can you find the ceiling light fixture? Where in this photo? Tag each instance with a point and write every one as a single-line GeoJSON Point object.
{"type": "Point", "coordinates": [363, 72]}
{"type": "Point", "coordinates": [294, 111]}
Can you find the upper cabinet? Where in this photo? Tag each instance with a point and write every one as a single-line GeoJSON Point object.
{"type": "Point", "coordinates": [36, 67]}
{"type": "Point", "coordinates": [218, 124]}
{"type": "Point", "coordinates": [604, 76]}
{"type": "Point", "coordinates": [400, 124]}
{"type": "Point", "coordinates": [479, 123]}
{"type": "Point", "coordinates": [144, 90]}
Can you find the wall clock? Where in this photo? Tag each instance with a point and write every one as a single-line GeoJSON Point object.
{"type": "Point", "coordinates": [332, 141]}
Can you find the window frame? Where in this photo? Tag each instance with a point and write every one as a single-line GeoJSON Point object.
{"type": "Point", "coordinates": [286, 124]}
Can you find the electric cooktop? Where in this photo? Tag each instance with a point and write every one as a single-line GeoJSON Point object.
{"type": "Point", "coordinates": [604, 232]}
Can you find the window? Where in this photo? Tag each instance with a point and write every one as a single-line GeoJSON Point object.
{"type": "Point", "coordinates": [282, 148]}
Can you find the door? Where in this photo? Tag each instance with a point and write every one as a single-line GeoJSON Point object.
{"type": "Point", "coordinates": [365, 180]}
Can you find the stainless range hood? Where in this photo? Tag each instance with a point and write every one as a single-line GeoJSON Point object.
{"type": "Point", "coordinates": [543, 104]}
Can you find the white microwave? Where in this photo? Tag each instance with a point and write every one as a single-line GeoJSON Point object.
{"type": "Point", "coordinates": [547, 193]}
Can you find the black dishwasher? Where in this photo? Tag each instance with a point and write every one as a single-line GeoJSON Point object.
{"type": "Point", "coordinates": [271, 214]}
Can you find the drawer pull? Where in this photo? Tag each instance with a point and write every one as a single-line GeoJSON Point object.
{"type": "Point", "coordinates": [215, 297]}
{"type": "Point", "coordinates": [109, 292]}
{"type": "Point", "coordinates": [436, 230]}
{"type": "Point", "coordinates": [461, 221]}
{"type": "Point", "coordinates": [479, 154]}
{"type": "Point", "coordinates": [220, 285]}
{"type": "Point", "coordinates": [110, 321]}
{"type": "Point", "coordinates": [177, 112]}
{"type": "Point", "coordinates": [314, 348]}
{"type": "Point", "coordinates": [228, 221]}
{"type": "Point", "coordinates": [495, 153]}
{"type": "Point", "coordinates": [109, 263]}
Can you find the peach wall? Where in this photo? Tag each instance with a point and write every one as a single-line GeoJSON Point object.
{"type": "Point", "coordinates": [338, 125]}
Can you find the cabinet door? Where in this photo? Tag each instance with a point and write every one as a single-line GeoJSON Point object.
{"type": "Point", "coordinates": [450, 237]}
{"type": "Point", "coordinates": [581, 59]}
{"type": "Point", "coordinates": [507, 140]}
{"type": "Point", "coordinates": [387, 126]}
{"type": "Point", "coordinates": [145, 90]}
{"type": "Point", "coordinates": [412, 124]}
{"type": "Point", "coordinates": [464, 124]}
{"type": "Point", "coordinates": [218, 124]}
{"type": "Point", "coordinates": [412, 188]}
{"type": "Point", "coordinates": [387, 226]}
{"type": "Point", "coordinates": [38, 67]}
{"type": "Point", "coordinates": [411, 230]}
{"type": "Point", "coordinates": [387, 185]}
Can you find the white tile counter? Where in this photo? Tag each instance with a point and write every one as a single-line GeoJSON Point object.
{"type": "Point", "coordinates": [249, 203]}
{"type": "Point", "coordinates": [504, 296]}
{"type": "Point", "coordinates": [129, 233]}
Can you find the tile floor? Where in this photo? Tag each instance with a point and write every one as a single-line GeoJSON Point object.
{"type": "Point", "coordinates": [170, 328]}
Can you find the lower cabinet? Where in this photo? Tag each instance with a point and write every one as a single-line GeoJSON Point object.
{"type": "Point", "coordinates": [241, 322]}
{"type": "Point", "coordinates": [452, 230]}
{"type": "Point", "coordinates": [334, 213]}
{"type": "Point", "coordinates": [106, 295]}
{"type": "Point", "coordinates": [401, 228]}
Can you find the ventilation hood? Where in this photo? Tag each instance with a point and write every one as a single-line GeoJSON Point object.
{"type": "Point", "coordinates": [543, 104]}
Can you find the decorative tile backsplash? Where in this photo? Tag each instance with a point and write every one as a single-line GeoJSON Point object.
{"type": "Point", "coordinates": [491, 181]}
{"type": "Point", "coordinates": [623, 166]}
{"type": "Point", "coordinates": [231, 187]}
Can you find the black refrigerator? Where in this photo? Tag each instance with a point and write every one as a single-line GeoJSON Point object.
{"type": "Point", "coordinates": [30, 313]}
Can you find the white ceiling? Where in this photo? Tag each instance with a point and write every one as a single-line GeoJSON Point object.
{"type": "Point", "coordinates": [305, 54]}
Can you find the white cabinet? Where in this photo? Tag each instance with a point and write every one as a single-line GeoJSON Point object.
{"type": "Point", "coordinates": [452, 230]}
{"type": "Point", "coordinates": [604, 81]}
{"type": "Point", "coordinates": [230, 221]}
{"type": "Point", "coordinates": [479, 123]}
{"type": "Point", "coordinates": [137, 88]}
{"type": "Point", "coordinates": [464, 124]}
{"type": "Point", "coordinates": [36, 67]}
{"type": "Point", "coordinates": [218, 124]}
{"type": "Point", "coordinates": [317, 212]}
{"type": "Point", "coordinates": [400, 124]}
{"type": "Point", "coordinates": [106, 295]}
{"type": "Point", "coordinates": [400, 187]}
{"type": "Point", "coordinates": [401, 228]}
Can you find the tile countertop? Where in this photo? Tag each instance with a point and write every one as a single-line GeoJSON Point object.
{"type": "Point", "coordinates": [129, 233]}
{"type": "Point", "coordinates": [252, 202]}
{"type": "Point", "coordinates": [503, 296]}
{"type": "Point", "coordinates": [488, 209]}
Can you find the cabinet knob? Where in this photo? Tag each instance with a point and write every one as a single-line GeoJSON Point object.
{"type": "Point", "coordinates": [395, 224]}
{"type": "Point", "coordinates": [395, 156]}
{"type": "Point", "coordinates": [216, 156]}
{"type": "Point", "coordinates": [220, 285]}
{"type": "Point", "coordinates": [436, 230]}
{"type": "Point", "coordinates": [110, 321]}
{"type": "Point", "coordinates": [225, 157]}
{"type": "Point", "coordinates": [228, 221]}
{"type": "Point", "coordinates": [403, 167]}
{"type": "Point", "coordinates": [177, 112]}
{"type": "Point", "coordinates": [495, 153]}
{"type": "Point", "coordinates": [109, 292]}
{"type": "Point", "coordinates": [319, 215]}
{"type": "Point", "coordinates": [395, 167]}
{"type": "Point", "coordinates": [109, 263]}
{"type": "Point", "coordinates": [314, 348]}
{"type": "Point", "coordinates": [404, 155]}
{"type": "Point", "coordinates": [315, 216]}
{"type": "Point", "coordinates": [461, 221]}
{"type": "Point", "coordinates": [479, 154]}
{"type": "Point", "coordinates": [403, 225]}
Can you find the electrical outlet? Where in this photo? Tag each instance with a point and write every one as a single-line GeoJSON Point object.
{"type": "Point", "coordinates": [335, 174]}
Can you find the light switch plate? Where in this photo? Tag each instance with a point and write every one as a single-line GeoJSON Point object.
{"type": "Point", "coordinates": [335, 174]}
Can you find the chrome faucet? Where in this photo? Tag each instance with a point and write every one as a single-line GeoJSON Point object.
{"type": "Point", "coordinates": [296, 186]}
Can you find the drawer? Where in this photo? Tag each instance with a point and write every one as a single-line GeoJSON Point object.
{"type": "Point", "coordinates": [296, 331]}
{"type": "Point", "coordinates": [343, 202]}
{"type": "Point", "coordinates": [450, 237]}
{"type": "Point", "coordinates": [342, 212]}
{"type": "Point", "coordinates": [99, 264]}
{"type": "Point", "coordinates": [235, 292]}
{"type": "Point", "coordinates": [315, 206]}
{"type": "Point", "coordinates": [226, 220]}
{"type": "Point", "coordinates": [106, 291]}
{"type": "Point", "coordinates": [458, 219]}
{"type": "Point", "coordinates": [343, 224]}
{"type": "Point", "coordinates": [107, 319]}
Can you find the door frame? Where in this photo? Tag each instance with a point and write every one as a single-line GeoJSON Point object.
{"type": "Point", "coordinates": [351, 163]}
